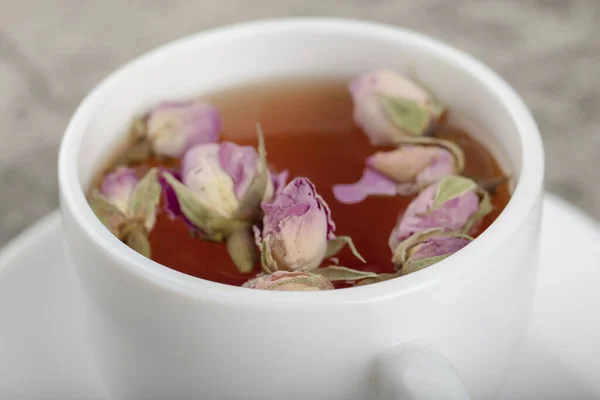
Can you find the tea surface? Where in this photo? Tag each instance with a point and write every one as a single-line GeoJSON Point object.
{"type": "Point", "coordinates": [309, 131]}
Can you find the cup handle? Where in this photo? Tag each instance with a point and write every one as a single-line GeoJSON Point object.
{"type": "Point", "coordinates": [418, 373]}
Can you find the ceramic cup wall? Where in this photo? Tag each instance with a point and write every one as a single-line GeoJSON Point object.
{"type": "Point", "coordinates": [157, 333]}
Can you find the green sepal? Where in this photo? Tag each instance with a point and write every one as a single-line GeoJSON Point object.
{"type": "Point", "coordinates": [242, 250]}
{"type": "Point", "coordinates": [249, 209]}
{"type": "Point", "coordinates": [415, 265]}
{"type": "Point", "coordinates": [435, 106]}
{"type": "Point", "coordinates": [214, 227]}
{"type": "Point", "coordinates": [145, 200]}
{"type": "Point", "coordinates": [406, 114]}
{"type": "Point", "coordinates": [310, 280]}
{"type": "Point", "coordinates": [268, 263]}
{"type": "Point", "coordinates": [338, 273]}
{"type": "Point", "coordinates": [113, 219]}
{"type": "Point", "coordinates": [137, 239]}
{"type": "Point", "coordinates": [335, 245]}
{"type": "Point", "coordinates": [449, 188]}
{"type": "Point", "coordinates": [485, 207]}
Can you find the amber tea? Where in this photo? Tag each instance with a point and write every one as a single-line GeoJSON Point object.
{"type": "Point", "coordinates": [356, 186]}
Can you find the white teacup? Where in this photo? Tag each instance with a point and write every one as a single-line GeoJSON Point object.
{"type": "Point", "coordinates": [446, 332]}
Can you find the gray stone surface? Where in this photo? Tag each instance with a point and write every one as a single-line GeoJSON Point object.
{"type": "Point", "coordinates": [53, 52]}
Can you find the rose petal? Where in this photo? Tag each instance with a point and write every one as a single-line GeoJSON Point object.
{"type": "Point", "coordinates": [371, 183]}
{"type": "Point", "coordinates": [170, 203]}
{"type": "Point", "coordinates": [279, 180]}
{"type": "Point", "coordinates": [117, 188]}
{"type": "Point", "coordinates": [239, 162]}
{"type": "Point", "coordinates": [442, 165]}
{"type": "Point", "coordinates": [295, 200]}
{"type": "Point", "coordinates": [400, 171]}
{"type": "Point", "coordinates": [408, 163]}
{"type": "Point", "coordinates": [277, 213]}
{"type": "Point", "coordinates": [202, 174]}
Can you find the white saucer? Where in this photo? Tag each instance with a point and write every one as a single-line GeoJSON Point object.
{"type": "Point", "coordinates": [42, 355]}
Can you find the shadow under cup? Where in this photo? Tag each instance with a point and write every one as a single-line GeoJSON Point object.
{"type": "Point", "coordinates": [156, 333]}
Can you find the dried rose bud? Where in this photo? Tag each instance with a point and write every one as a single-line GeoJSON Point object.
{"type": "Point", "coordinates": [219, 175]}
{"type": "Point", "coordinates": [454, 204]}
{"type": "Point", "coordinates": [118, 187]}
{"type": "Point", "coordinates": [173, 128]}
{"type": "Point", "coordinates": [219, 194]}
{"type": "Point", "coordinates": [127, 207]}
{"type": "Point", "coordinates": [403, 171]}
{"type": "Point", "coordinates": [298, 281]}
{"type": "Point", "coordinates": [389, 107]}
{"type": "Point", "coordinates": [426, 248]}
{"type": "Point", "coordinates": [297, 227]}
{"type": "Point", "coordinates": [222, 186]}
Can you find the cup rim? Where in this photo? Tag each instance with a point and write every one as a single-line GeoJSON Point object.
{"type": "Point", "coordinates": [522, 202]}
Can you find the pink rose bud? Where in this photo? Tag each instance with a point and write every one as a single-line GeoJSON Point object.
{"type": "Point", "coordinates": [118, 187]}
{"type": "Point", "coordinates": [403, 171]}
{"type": "Point", "coordinates": [454, 204]}
{"type": "Point", "coordinates": [219, 193]}
{"type": "Point", "coordinates": [389, 107]}
{"type": "Point", "coordinates": [218, 176]}
{"type": "Point", "coordinates": [426, 248]}
{"type": "Point", "coordinates": [291, 281]}
{"type": "Point", "coordinates": [297, 228]}
{"type": "Point", "coordinates": [127, 206]}
{"type": "Point", "coordinates": [173, 128]}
